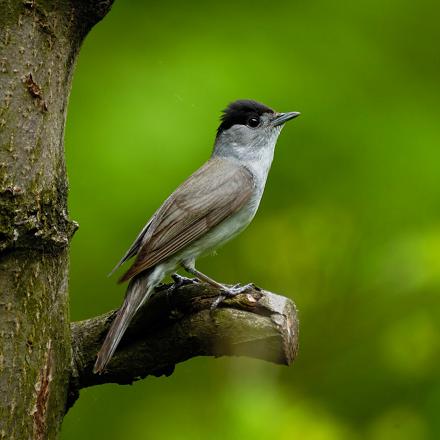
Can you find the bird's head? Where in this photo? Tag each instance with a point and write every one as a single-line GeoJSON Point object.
{"type": "Point", "coordinates": [247, 127]}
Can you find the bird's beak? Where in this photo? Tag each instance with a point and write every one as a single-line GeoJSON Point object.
{"type": "Point", "coordinates": [281, 118]}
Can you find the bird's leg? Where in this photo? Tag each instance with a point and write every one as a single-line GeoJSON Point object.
{"type": "Point", "coordinates": [201, 276]}
{"type": "Point", "coordinates": [226, 291]}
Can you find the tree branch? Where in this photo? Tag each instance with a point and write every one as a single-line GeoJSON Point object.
{"type": "Point", "coordinates": [176, 324]}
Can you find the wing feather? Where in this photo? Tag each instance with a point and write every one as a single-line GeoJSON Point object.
{"type": "Point", "coordinates": [193, 210]}
{"type": "Point", "coordinates": [134, 248]}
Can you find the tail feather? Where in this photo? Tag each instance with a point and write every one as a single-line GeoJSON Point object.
{"type": "Point", "coordinates": [138, 292]}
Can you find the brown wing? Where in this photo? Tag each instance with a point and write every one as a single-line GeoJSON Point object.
{"type": "Point", "coordinates": [192, 210]}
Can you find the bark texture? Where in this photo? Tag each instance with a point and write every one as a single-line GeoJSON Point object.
{"type": "Point", "coordinates": [39, 41]}
{"type": "Point", "coordinates": [177, 324]}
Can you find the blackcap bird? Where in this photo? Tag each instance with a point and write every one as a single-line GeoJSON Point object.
{"type": "Point", "coordinates": [212, 206]}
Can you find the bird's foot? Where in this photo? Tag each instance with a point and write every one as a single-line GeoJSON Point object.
{"type": "Point", "coordinates": [238, 288]}
{"type": "Point", "coordinates": [230, 292]}
{"type": "Point", "coordinates": [180, 281]}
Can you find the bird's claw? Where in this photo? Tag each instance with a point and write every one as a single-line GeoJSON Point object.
{"type": "Point", "coordinates": [217, 302]}
{"type": "Point", "coordinates": [238, 288]}
{"type": "Point", "coordinates": [180, 281]}
{"type": "Point", "coordinates": [230, 292]}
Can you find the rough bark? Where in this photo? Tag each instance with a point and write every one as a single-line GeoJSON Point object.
{"type": "Point", "coordinates": [39, 377]}
{"type": "Point", "coordinates": [177, 324]}
{"type": "Point", "coordinates": [39, 41]}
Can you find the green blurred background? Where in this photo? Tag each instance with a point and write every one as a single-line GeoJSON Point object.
{"type": "Point", "coordinates": [348, 227]}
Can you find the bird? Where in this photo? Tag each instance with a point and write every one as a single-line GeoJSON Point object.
{"type": "Point", "coordinates": [216, 203]}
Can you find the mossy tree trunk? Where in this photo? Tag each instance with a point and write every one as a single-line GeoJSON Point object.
{"type": "Point", "coordinates": [39, 41]}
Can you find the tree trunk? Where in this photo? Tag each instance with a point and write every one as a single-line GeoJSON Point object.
{"type": "Point", "coordinates": [39, 375]}
{"type": "Point", "coordinates": [39, 41]}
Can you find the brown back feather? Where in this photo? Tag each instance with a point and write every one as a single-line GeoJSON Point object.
{"type": "Point", "coordinates": [192, 210]}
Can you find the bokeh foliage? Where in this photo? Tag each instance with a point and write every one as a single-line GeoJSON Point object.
{"type": "Point", "coordinates": [349, 226]}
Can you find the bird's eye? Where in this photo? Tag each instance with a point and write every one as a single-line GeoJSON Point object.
{"type": "Point", "coordinates": [253, 122]}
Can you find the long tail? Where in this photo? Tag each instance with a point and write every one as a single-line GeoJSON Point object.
{"type": "Point", "coordinates": [138, 291]}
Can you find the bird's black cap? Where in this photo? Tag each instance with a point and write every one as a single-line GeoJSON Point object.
{"type": "Point", "coordinates": [239, 112]}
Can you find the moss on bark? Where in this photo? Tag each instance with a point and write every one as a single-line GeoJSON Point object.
{"type": "Point", "coordinates": [39, 41]}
